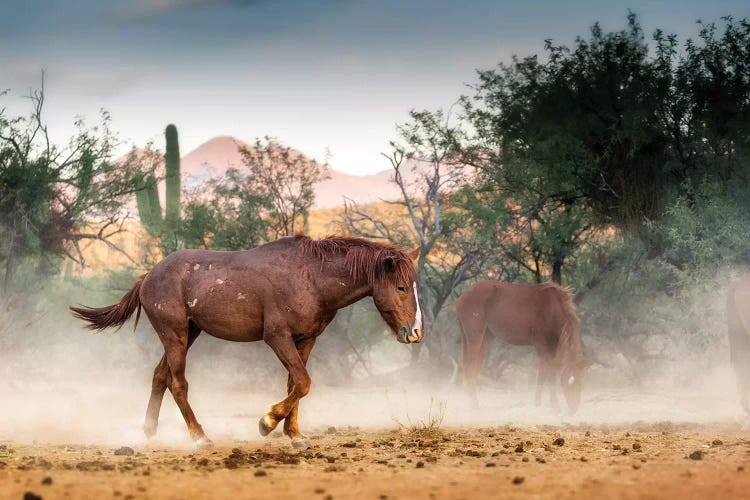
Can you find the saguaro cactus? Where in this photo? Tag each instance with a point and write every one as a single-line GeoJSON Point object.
{"type": "Point", "coordinates": [167, 228]}
{"type": "Point", "coordinates": [172, 159]}
{"type": "Point", "coordinates": [172, 219]}
{"type": "Point", "coordinates": [147, 198]}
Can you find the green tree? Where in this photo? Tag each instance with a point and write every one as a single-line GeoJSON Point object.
{"type": "Point", "coordinates": [226, 214]}
{"type": "Point", "coordinates": [53, 197]}
{"type": "Point", "coordinates": [426, 170]}
{"type": "Point", "coordinates": [286, 178]}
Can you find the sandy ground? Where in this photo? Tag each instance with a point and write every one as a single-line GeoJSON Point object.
{"type": "Point", "coordinates": [639, 461]}
{"type": "Point", "coordinates": [58, 438]}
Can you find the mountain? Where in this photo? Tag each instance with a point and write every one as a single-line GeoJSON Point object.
{"type": "Point", "coordinates": [216, 155]}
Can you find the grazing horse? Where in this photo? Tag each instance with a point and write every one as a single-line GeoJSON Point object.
{"type": "Point", "coordinates": [284, 293]}
{"type": "Point", "coordinates": [540, 315]}
{"type": "Point", "coordinates": [738, 323]}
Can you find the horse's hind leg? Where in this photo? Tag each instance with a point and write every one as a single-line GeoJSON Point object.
{"type": "Point", "coordinates": [473, 329]}
{"type": "Point", "coordinates": [175, 347]}
{"type": "Point", "coordinates": [161, 381]}
{"type": "Point", "coordinates": [291, 428]}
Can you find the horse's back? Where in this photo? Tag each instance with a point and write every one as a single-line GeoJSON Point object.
{"type": "Point", "coordinates": [520, 313]}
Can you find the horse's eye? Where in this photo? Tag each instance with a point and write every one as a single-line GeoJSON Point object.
{"type": "Point", "coordinates": [401, 289]}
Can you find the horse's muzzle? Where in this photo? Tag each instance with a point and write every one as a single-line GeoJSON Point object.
{"type": "Point", "coordinates": [405, 337]}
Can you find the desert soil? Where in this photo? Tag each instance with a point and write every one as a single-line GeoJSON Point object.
{"type": "Point", "coordinates": [657, 461]}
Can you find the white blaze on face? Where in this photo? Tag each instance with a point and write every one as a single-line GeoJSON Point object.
{"type": "Point", "coordinates": [571, 380]}
{"type": "Point", "coordinates": [418, 319]}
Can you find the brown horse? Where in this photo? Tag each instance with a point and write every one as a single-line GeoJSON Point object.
{"type": "Point", "coordinates": [284, 293]}
{"type": "Point", "coordinates": [738, 322]}
{"type": "Point", "coordinates": [540, 315]}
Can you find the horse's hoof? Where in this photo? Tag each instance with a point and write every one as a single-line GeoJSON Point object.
{"type": "Point", "coordinates": [149, 431]}
{"type": "Point", "coordinates": [266, 425]}
{"type": "Point", "coordinates": [204, 444]}
{"type": "Point", "coordinates": [300, 442]}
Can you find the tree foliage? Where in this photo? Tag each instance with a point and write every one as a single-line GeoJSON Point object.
{"type": "Point", "coordinates": [53, 197]}
{"type": "Point", "coordinates": [226, 214]}
{"type": "Point", "coordinates": [607, 133]}
{"type": "Point", "coordinates": [286, 178]}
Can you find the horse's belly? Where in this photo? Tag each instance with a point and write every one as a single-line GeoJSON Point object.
{"type": "Point", "coordinates": [235, 335]}
{"type": "Point", "coordinates": [516, 332]}
{"type": "Point", "coordinates": [227, 321]}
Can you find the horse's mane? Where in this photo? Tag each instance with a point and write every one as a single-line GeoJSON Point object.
{"type": "Point", "coordinates": [366, 260]}
{"type": "Point", "coordinates": [569, 348]}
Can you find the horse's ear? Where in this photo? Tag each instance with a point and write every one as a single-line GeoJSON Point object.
{"type": "Point", "coordinates": [414, 254]}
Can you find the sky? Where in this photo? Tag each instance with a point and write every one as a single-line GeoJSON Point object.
{"type": "Point", "coordinates": [320, 75]}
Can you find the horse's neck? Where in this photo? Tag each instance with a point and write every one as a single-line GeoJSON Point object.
{"type": "Point", "coordinates": [338, 288]}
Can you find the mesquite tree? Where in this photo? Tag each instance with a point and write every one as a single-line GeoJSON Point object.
{"type": "Point", "coordinates": [52, 197]}
{"type": "Point", "coordinates": [286, 178]}
{"type": "Point", "coordinates": [426, 170]}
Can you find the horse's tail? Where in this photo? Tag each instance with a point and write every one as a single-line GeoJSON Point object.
{"type": "Point", "coordinates": [569, 348]}
{"type": "Point", "coordinates": [100, 318]}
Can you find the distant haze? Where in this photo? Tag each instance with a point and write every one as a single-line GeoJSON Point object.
{"type": "Point", "coordinates": [215, 156]}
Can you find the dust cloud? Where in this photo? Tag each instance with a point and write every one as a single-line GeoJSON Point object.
{"type": "Point", "coordinates": [62, 384]}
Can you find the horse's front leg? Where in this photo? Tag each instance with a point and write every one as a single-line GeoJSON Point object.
{"type": "Point", "coordinates": [541, 378]}
{"type": "Point", "coordinates": [291, 428]}
{"type": "Point", "coordinates": [282, 344]}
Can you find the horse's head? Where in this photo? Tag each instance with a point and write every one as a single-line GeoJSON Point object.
{"type": "Point", "coordinates": [397, 298]}
{"type": "Point", "coordinates": [571, 381]}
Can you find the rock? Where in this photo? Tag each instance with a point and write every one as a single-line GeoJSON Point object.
{"type": "Point", "coordinates": [518, 479]}
{"type": "Point", "coordinates": [519, 448]}
{"type": "Point", "coordinates": [490, 464]}
{"type": "Point", "coordinates": [47, 480]}
{"type": "Point", "coordinates": [717, 442]}
{"type": "Point", "coordinates": [331, 430]}
{"type": "Point", "coordinates": [125, 451]}
{"type": "Point", "coordinates": [31, 496]}
{"type": "Point", "coordinates": [260, 473]}
{"type": "Point", "coordinates": [696, 455]}
{"type": "Point", "coordinates": [350, 444]}
{"type": "Point", "coordinates": [559, 441]}
{"type": "Point", "coordinates": [541, 460]}
{"type": "Point", "coordinates": [420, 465]}
{"type": "Point", "coordinates": [636, 446]}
